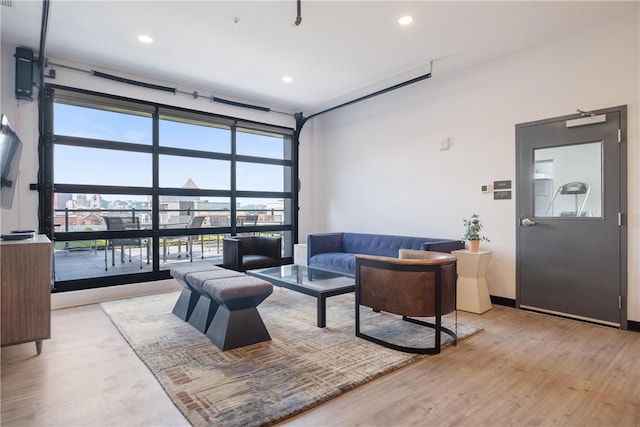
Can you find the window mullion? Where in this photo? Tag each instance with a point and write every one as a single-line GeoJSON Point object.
{"type": "Point", "coordinates": [233, 207]}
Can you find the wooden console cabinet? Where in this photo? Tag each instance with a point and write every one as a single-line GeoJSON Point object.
{"type": "Point", "coordinates": [25, 280]}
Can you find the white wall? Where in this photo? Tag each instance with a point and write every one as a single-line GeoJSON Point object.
{"type": "Point", "coordinates": [23, 116]}
{"type": "Point", "coordinates": [376, 166]}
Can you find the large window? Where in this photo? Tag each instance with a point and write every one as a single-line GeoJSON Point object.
{"type": "Point", "coordinates": [129, 189]}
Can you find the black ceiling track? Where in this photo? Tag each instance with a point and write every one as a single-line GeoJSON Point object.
{"type": "Point", "coordinates": [43, 38]}
{"type": "Point", "coordinates": [240, 104]}
{"type": "Point", "coordinates": [133, 82]}
{"type": "Point", "coordinates": [299, 15]}
{"type": "Point", "coordinates": [301, 120]}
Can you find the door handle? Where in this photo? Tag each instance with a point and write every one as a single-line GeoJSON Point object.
{"type": "Point", "coordinates": [527, 222]}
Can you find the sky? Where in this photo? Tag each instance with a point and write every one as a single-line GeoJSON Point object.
{"type": "Point", "coordinates": [81, 165]}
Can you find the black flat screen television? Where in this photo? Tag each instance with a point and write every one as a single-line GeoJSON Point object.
{"type": "Point", "coordinates": [10, 151]}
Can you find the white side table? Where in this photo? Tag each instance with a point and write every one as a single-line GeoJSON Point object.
{"type": "Point", "coordinates": [300, 254]}
{"type": "Point", "coordinates": [473, 294]}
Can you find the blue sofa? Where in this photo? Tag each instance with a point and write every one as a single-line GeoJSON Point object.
{"type": "Point", "coordinates": [336, 251]}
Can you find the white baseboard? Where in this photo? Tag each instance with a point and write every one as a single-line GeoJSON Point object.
{"type": "Point", "coordinates": [97, 295]}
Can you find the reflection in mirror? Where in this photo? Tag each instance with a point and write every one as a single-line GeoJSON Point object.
{"type": "Point", "coordinates": [567, 181]}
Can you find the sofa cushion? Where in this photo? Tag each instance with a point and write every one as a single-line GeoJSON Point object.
{"type": "Point", "coordinates": [181, 272]}
{"type": "Point", "coordinates": [238, 292]}
{"type": "Point", "coordinates": [197, 278]}
{"type": "Point", "coordinates": [341, 262]}
{"type": "Point", "coordinates": [379, 244]}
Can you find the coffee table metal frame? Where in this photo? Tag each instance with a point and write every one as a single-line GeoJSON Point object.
{"type": "Point", "coordinates": [320, 284]}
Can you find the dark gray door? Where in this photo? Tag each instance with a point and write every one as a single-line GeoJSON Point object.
{"type": "Point", "coordinates": [571, 200]}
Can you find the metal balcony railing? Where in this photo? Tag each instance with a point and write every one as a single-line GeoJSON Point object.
{"type": "Point", "coordinates": [86, 219]}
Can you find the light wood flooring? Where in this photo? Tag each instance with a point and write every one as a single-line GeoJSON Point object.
{"type": "Point", "coordinates": [523, 369]}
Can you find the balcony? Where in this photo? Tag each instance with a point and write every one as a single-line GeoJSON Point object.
{"type": "Point", "coordinates": [131, 250]}
{"type": "Point", "coordinates": [86, 259]}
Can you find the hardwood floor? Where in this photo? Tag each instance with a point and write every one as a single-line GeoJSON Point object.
{"type": "Point", "coordinates": [522, 369]}
{"type": "Point", "coordinates": [86, 375]}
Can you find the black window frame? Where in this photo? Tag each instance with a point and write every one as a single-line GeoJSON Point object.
{"type": "Point", "coordinates": [47, 187]}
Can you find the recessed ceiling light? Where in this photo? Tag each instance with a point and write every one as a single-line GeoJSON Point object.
{"type": "Point", "coordinates": [405, 20]}
{"type": "Point", "coordinates": [287, 79]}
{"type": "Point", "coordinates": [145, 39]}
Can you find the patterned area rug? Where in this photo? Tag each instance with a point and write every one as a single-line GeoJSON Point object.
{"type": "Point", "coordinates": [264, 383]}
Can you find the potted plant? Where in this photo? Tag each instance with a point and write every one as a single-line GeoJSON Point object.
{"type": "Point", "coordinates": [472, 228]}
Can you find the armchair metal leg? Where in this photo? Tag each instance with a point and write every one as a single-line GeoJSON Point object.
{"type": "Point", "coordinates": [437, 327]}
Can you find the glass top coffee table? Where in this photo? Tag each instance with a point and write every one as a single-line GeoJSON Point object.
{"type": "Point", "coordinates": [310, 281]}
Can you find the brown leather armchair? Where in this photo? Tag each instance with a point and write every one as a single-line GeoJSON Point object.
{"type": "Point", "coordinates": [418, 284]}
{"type": "Point", "coordinates": [242, 253]}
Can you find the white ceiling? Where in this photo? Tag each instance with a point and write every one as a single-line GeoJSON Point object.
{"type": "Point", "coordinates": [342, 49]}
